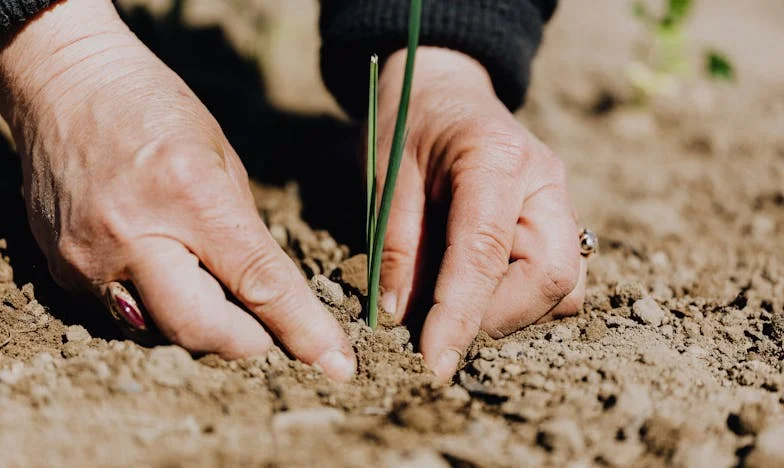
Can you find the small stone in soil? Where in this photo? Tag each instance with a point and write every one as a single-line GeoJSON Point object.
{"type": "Point", "coordinates": [34, 309]}
{"type": "Point", "coordinates": [488, 353]}
{"type": "Point", "coordinates": [353, 307]}
{"type": "Point", "coordinates": [77, 334]}
{"type": "Point", "coordinates": [595, 330]}
{"type": "Point", "coordinates": [647, 311]}
{"type": "Point", "coordinates": [328, 244]}
{"type": "Point", "coordinates": [512, 350]}
{"type": "Point", "coordinates": [513, 369]}
{"type": "Point", "coordinates": [627, 294]}
{"type": "Point", "coordinates": [329, 291]}
{"type": "Point", "coordinates": [29, 291]}
{"type": "Point", "coordinates": [72, 349]}
{"type": "Point", "coordinates": [456, 393]}
{"type": "Point", "coordinates": [400, 336]}
{"type": "Point", "coordinates": [560, 334]}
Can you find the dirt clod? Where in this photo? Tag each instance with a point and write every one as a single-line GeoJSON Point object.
{"type": "Point", "coordinates": [648, 312]}
{"type": "Point", "coordinates": [329, 291]}
{"type": "Point", "coordinates": [352, 273]}
{"type": "Point", "coordinates": [77, 334]}
{"type": "Point", "coordinates": [170, 366]}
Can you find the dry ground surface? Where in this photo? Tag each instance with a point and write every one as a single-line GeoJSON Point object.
{"type": "Point", "coordinates": [675, 360]}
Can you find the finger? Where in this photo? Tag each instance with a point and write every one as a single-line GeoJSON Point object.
{"type": "Point", "coordinates": [188, 304]}
{"type": "Point", "coordinates": [480, 231]}
{"type": "Point", "coordinates": [240, 251]}
{"type": "Point", "coordinates": [403, 244]}
{"type": "Point", "coordinates": [546, 263]}
{"type": "Point", "coordinates": [572, 303]}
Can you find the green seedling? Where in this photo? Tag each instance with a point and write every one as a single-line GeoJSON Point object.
{"type": "Point", "coordinates": [660, 71]}
{"type": "Point", "coordinates": [377, 219]}
{"type": "Point", "coordinates": [719, 66]}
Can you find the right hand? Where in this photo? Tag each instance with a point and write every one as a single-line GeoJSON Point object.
{"type": "Point", "coordinates": [129, 178]}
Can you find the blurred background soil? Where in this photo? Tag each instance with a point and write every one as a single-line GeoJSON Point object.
{"type": "Point", "coordinates": [676, 359]}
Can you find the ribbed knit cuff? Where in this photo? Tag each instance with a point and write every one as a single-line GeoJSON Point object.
{"type": "Point", "coordinates": [502, 35]}
{"type": "Point", "coordinates": [17, 11]}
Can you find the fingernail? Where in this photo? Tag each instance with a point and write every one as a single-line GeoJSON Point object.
{"type": "Point", "coordinates": [131, 314]}
{"type": "Point", "coordinates": [337, 365]}
{"type": "Point", "coordinates": [389, 303]}
{"type": "Point", "coordinates": [123, 306]}
{"type": "Point", "coordinates": [446, 364]}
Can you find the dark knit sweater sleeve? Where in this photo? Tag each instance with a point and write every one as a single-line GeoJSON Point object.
{"type": "Point", "coordinates": [503, 35]}
{"type": "Point", "coordinates": [17, 11]}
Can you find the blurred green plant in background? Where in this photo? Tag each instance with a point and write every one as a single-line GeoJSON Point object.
{"type": "Point", "coordinates": [660, 71]}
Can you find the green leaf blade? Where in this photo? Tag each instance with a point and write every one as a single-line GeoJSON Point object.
{"type": "Point", "coordinates": [395, 159]}
{"type": "Point", "coordinates": [372, 160]}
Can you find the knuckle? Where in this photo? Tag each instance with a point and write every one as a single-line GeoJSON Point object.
{"type": "Point", "coordinates": [466, 319]}
{"type": "Point", "coordinates": [259, 285]}
{"type": "Point", "coordinates": [394, 258]}
{"type": "Point", "coordinates": [183, 168]}
{"type": "Point", "coordinates": [68, 252]}
{"type": "Point", "coordinates": [558, 280]}
{"type": "Point", "coordinates": [490, 161]}
{"type": "Point", "coordinates": [112, 224]}
{"type": "Point", "coordinates": [95, 249]}
{"type": "Point", "coordinates": [488, 252]}
{"type": "Point", "coordinates": [493, 146]}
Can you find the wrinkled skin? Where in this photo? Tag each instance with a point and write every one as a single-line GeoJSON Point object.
{"type": "Point", "coordinates": [128, 177]}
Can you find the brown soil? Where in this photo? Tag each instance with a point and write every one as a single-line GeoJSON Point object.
{"type": "Point", "coordinates": [676, 358]}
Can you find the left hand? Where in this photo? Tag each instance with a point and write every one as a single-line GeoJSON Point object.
{"type": "Point", "coordinates": [511, 254]}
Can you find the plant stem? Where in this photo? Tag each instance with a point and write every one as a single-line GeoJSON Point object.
{"type": "Point", "coordinates": [372, 160]}
{"type": "Point", "coordinates": [395, 158]}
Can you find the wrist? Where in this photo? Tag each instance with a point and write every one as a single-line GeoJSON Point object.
{"type": "Point", "coordinates": [448, 87]}
{"type": "Point", "coordinates": [39, 56]}
{"type": "Point", "coordinates": [438, 68]}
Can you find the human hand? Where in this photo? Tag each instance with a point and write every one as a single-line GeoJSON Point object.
{"type": "Point", "coordinates": [511, 255]}
{"type": "Point", "coordinates": [128, 177]}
